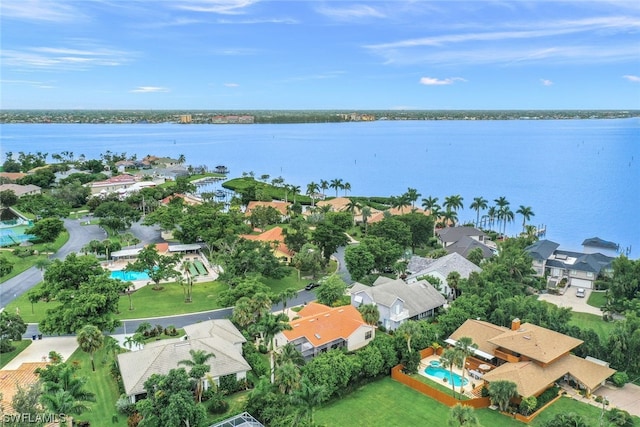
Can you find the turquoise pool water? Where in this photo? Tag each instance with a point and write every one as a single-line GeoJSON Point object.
{"type": "Point", "coordinates": [443, 373]}
{"type": "Point", "coordinates": [129, 275]}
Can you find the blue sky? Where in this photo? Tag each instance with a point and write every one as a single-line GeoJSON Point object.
{"type": "Point", "coordinates": [250, 54]}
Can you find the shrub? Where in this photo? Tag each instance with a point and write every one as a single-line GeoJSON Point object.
{"type": "Point", "coordinates": [134, 420]}
{"type": "Point", "coordinates": [124, 405]}
{"type": "Point", "coordinates": [216, 404]}
{"type": "Point", "coordinates": [527, 405]}
{"type": "Point", "coordinates": [263, 349]}
{"type": "Point", "coordinates": [485, 391]}
{"type": "Point", "coordinates": [547, 396]}
{"type": "Point", "coordinates": [619, 379]}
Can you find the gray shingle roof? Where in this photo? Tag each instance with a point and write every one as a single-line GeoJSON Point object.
{"type": "Point", "coordinates": [417, 297]}
{"type": "Point", "coordinates": [542, 249]}
{"type": "Point", "coordinates": [453, 234]}
{"type": "Point", "coordinates": [161, 356]}
{"type": "Point", "coordinates": [444, 266]}
{"type": "Point", "coordinates": [466, 244]}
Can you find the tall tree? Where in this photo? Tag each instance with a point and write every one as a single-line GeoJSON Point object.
{"type": "Point", "coordinates": [199, 366]}
{"type": "Point", "coordinates": [448, 359]}
{"type": "Point", "coordinates": [478, 204]}
{"type": "Point", "coordinates": [331, 290]}
{"type": "Point", "coordinates": [12, 327]}
{"type": "Point", "coordinates": [159, 267]}
{"type": "Point", "coordinates": [453, 202]}
{"type": "Point", "coordinates": [307, 398]}
{"type": "Point", "coordinates": [413, 196]}
{"type": "Point", "coordinates": [336, 184]}
{"type": "Point", "coordinates": [370, 314]}
{"type": "Point", "coordinates": [312, 190]}
{"type": "Point", "coordinates": [526, 213]}
{"type": "Point", "coordinates": [90, 339]}
{"type": "Point", "coordinates": [270, 325]}
{"type": "Point", "coordinates": [462, 416]}
{"type": "Point", "coordinates": [466, 348]}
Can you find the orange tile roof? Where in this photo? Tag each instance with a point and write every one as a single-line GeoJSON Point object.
{"type": "Point", "coordinates": [13, 176]}
{"type": "Point", "coordinates": [321, 324]}
{"type": "Point", "coordinates": [279, 206]}
{"type": "Point", "coordinates": [379, 215]}
{"type": "Point", "coordinates": [272, 235]}
{"type": "Point", "coordinates": [25, 375]}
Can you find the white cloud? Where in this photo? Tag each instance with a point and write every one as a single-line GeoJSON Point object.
{"type": "Point", "coordinates": [231, 84]}
{"type": "Point", "coordinates": [635, 79]}
{"type": "Point", "coordinates": [355, 11]}
{"type": "Point", "coordinates": [223, 7]}
{"type": "Point", "coordinates": [433, 81]}
{"type": "Point", "coordinates": [39, 10]}
{"type": "Point", "coordinates": [32, 83]}
{"type": "Point", "coordinates": [546, 82]}
{"type": "Point", "coordinates": [86, 56]}
{"type": "Point", "coordinates": [149, 89]}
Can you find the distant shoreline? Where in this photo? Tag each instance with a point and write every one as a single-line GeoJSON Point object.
{"type": "Point", "coordinates": [187, 117]}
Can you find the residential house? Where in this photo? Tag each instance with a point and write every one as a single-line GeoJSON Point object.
{"type": "Point", "coordinates": [12, 176]}
{"type": "Point", "coordinates": [275, 237]}
{"type": "Point", "coordinates": [579, 269]}
{"type": "Point", "coordinates": [441, 268]}
{"type": "Point", "coordinates": [188, 199]}
{"type": "Point", "coordinates": [398, 301]}
{"type": "Point", "coordinates": [464, 239]}
{"type": "Point", "coordinates": [280, 206]}
{"type": "Point", "coordinates": [321, 328]}
{"type": "Point", "coordinates": [217, 336]}
{"type": "Point", "coordinates": [532, 357]}
{"type": "Point", "coordinates": [112, 184]}
{"type": "Point", "coordinates": [377, 215]}
{"type": "Point", "coordinates": [21, 190]}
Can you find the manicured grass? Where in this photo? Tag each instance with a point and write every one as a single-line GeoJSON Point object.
{"type": "Point", "coordinates": [21, 264]}
{"type": "Point", "coordinates": [591, 321]}
{"type": "Point", "coordinates": [597, 299]}
{"type": "Point", "coordinates": [18, 347]}
{"type": "Point", "coordinates": [291, 280]}
{"type": "Point", "coordinates": [103, 385]}
{"type": "Point", "coordinates": [390, 403]}
{"type": "Point", "coordinates": [566, 405]}
{"type": "Point", "coordinates": [24, 306]}
{"type": "Point", "coordinates": [170, 300]}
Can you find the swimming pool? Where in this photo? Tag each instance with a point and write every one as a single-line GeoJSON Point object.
{"type": "Point", "coordinates": [129, 275]}
{"type": "Point", "coordinates": [443, 373]}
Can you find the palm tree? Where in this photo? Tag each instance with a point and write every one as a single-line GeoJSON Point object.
{"type": "Point", "coordinates": [336, 184]}
{"type": "Point", "coordinates": [413, 196]}
{"type": "Point", "coordinates": [269, 326]}
{"type": "Point", "coordinates": [346, 187]}
{"type": "Point", "coordinates": [181, 159]}
{"type": "Point", "coordinates": [506, 215]}
{"type": "Point", "coordinates": [370, 314]}
{"type": "Point", "coordinates": [295, 190]}
{"type": "Point", "coordinates": [365, 211]}
{"type": "Point", "coordinates": [136, 339]}
{"type": "Point", "coordinates": [62, 402]}
{"type": "Point", "coordinates": [351, 207]}
{"type": "Point", "coordinates": [466, 347]}
{"type": "Point", "coordinates": [199, 367]}
{"type": "Point", "coordinates": [188, 283]}
{"type": "Point", "coordinates": [429, 203]}
{"type": "Point", "coordinates": [448, 359]}
{"type": "Point", "coordinates": [308, 397]}
{"type": "Point", "coordinates": [324, 185]}
{"type": "Point", "coordinates": [285, 296]}
{"type": "Point", "coordinates": [492, 212]}
{"type": "Point", "coordinates": [408, 330]}
{"type": "Point", "coordinates": [289, 353]}
{"type": "Point", "coordinates": [287, 377]}
{"type": "Point", "coordinates": [312, 189]}
{"type": "Point", "coordinates": [90, 339]}
{"type": "Point", "coordinates": [400, 202]}
{"type": "Point", "coordinates": [526, 213]}
{"type": "Point", "coordinates": [42, 264]}
{"type": "Point", "coordinates": [501, 392]}
{"type": "Point", "coordinates": [450, 217]}
{"type": "Point", "coordinates": [462, 416]}
{"type": "Point", "coordinates": [478, 204]}
{"type": "Point", "coordinates": [453, 203]}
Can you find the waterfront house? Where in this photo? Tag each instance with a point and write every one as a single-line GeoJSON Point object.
{"type": "Point", "coordinates": [532, 357]}
{"type": "Point", "coordinates": [464, 239]}
{"type": "Point", "coordinates": [579, 269]}
{"type": "Point", "coordinates": [419, 267]}
{"type": "Point", "coordinates": [321, 328]}
{"type": "Point", "coordinates": [113, 184]}
{"type": "Point", "coordinates": [398, 301]}
{"type": "Point", "coordinates": [217, 336]}
{"type": "Point", "coordinates": [280, 206]}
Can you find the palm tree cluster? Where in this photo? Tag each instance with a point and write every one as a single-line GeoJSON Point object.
{"type": "Point", "coordinates": [457, 356]}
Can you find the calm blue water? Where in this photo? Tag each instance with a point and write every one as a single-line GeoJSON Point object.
{"type": "Point", "coordinates": [129, 275]}
{"type": "Point", "coordinates": [581, 177]}
{"type": "Point", "coordinates": [450, 376]}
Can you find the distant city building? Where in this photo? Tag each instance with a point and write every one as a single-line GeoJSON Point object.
{"type": "Point", "coordinates": [185, 118]}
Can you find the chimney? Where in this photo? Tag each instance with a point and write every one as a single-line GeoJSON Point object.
{"type": "Point", "coordinates": [515, 324]}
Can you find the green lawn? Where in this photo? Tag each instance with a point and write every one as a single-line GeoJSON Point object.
{"type": "Point", "coordinates": [21, 264]}
{"type": "Point", "coordinates": [170, 300]}
{"type": "Point", "coordinates": [591, 321]}
{"type": "Point", "coordinates": [102, 384]}
{"type": "Point", "coordinates": [597, 299]}
{"type": "Point", "coordinates": [18, 347]}
{"type": "Point", "coordinates": [390, 403]}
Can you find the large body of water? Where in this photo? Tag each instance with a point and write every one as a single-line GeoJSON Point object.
{"type": "Point", "coordinates": [581, 177]}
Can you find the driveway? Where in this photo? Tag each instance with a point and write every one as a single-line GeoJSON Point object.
{"type": "Point", "coordinates": [570, 300]}
{"type": "Point", "coordinates": [626, 398]}
{"type": "Point", "coordinates": [38, 351]}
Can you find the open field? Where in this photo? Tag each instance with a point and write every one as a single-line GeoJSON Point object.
{"type": "Point", "coordinates": [591, 321]}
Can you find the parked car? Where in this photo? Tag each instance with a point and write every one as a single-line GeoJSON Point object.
{"type": "Point", "coordinates": [580, 293]}
{"type": "Point", "coordinates": [311, 286]}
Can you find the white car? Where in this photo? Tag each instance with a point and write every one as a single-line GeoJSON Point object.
{"type": "Point", "coordinates": [580, 293]}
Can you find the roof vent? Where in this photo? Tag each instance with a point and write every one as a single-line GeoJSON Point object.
{"type": "Point", "coordinates": [526, 337]}
{"type": "Point", "coordinates": [317, 335]}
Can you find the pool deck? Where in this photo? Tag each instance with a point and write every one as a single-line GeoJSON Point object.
{"type": "Point", "coordinates": [212, 271]}
{"type": "Point", "coordinates": [426, 362]}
